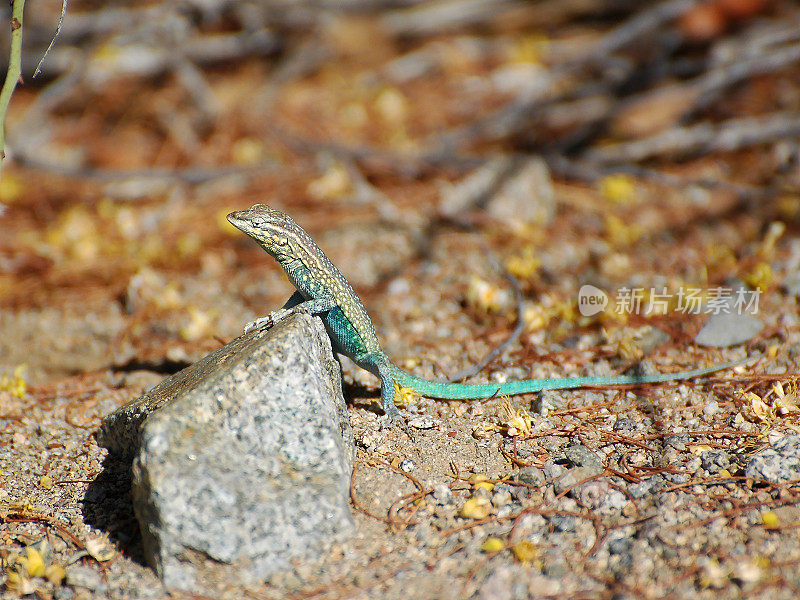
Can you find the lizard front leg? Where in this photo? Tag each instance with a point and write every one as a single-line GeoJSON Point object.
{"type": "Point", "coordinates": [295, 304]}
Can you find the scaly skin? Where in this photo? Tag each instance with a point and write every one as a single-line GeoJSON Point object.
{"type": "Point", "coordinates": [323, 290]}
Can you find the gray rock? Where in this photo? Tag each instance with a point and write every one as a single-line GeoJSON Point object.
{"type": "Point", "coordinates": [527, 196]}
{"type": "Point", "coordinates": [619, 543]}
{"type": "Point", "coordinates": [714, 461]}
{"type": "Point", "coordinates": [599, 496]}
{"type": "Point", "coordinates": [572, 478]}
{"type": "Point", "coordinates": [646, 487]}
{"type": "Point", "coordinates": [546, 401]}
{"type": "Point", "coordinates": [245, 458]}
{"type": "Point", "coordinates": [85, 576]}
{"type": "Point", "coordinates": [553, 470]}
{"type": "Point", "coordinates": [63, 592]}
{"type": "Point", "coordinates": [529, 476]}
{"type": "Point", "coordinates": [777, 464]}
{"type": "Point", "coordinates": [580, 456]}
{"type": "Point", "coordinates": [731, 324]}
{"type": "Point", "coordinates": [678, 442]}
{"type": "Point", "coordinates": [625, 424]}
{"type": "Point", "coordinates": [563, 523]}
{"type": "Point", "coordinates": [442, 494]}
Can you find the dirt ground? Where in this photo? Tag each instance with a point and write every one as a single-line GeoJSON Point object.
{"type": "Point", "coordinates": [117, 268]}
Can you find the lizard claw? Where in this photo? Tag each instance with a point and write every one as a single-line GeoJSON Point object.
{"type": "Point", "coordinates": [268, 321]}
{"type": "Point", "coordinates": [396, 419]}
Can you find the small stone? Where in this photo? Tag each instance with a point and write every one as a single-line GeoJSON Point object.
{"type": "Point", "coordinates": [546, 402]}
{"type": "Point", "coordinates": [529, 476]}
{"type": "Point", "coordinates": [625, 424]}
{"type": "Point", "coordinates": [553, 470]}
{"type": "Point", "coordinates": [601, 497]}
{"type": "Point", "coordinates": [711, 409]}
{"type": "Point", "coordinates": [85, 576]}
{"type": "Point", "coordinates": [563, 523]}
{"type": "Point", "coordinates": [620, 544]}
{"type": "Point", "coordinates": [442, 494]}
{"type": "Point", "coordinates": [63, 593]}
{"type": "Point", "coordinates": [646, 487]}
{"type": "Point", "coordinates": [483, 493]}
{"type": "Point", "coordinates": [501, 498]}
{"type": "Point", "coordinates": [406, 465]}
{"type": "Point", "coordinates": [572, 478]}
{"type": "Point", "coordinates": [498, 585]}
{"type": "Point", "coordinates": [677, 441]}
{"type": "Point", "coordinates": [423, 422]}
{"type": "Point", "coordinates": [693, 464]}
{"type": "Point", "coordinates": [580, 456]}
{"type": "Point", "coordinates": [777, 464]}
{"type": "Point", "coordinates": [715, 461]}
{"type": "Point", "coordinates": [728, 329]}
{"type": "Point", "coordinates": [555, 566]}
{"type": "Point", "coordinates": [526, 197]}
{"type": "Point", "coordinates": [747, 570]}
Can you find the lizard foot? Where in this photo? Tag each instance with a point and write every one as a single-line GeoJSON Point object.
{"type": "Point", "coordinates": [396, 419]}
{"type": "Point", "coordinates": [268, 321]}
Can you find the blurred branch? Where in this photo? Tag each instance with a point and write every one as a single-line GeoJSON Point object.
{"type": "Point", "coordinates": [728, 136]}
{"type": "Point", "coordinates": [14, 70]}
{"type": "Point", "coordinates": [52, 41]}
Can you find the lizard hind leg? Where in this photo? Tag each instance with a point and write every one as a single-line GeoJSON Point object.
{"type": "Point", "coordinates": [378, 366]}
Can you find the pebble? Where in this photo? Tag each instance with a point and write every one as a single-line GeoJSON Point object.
{"type": "Point", "coordinates": [407, 465]}
{"type": "Point", "coordinates": [777, 464]}
{"type": "Point", "coordinates": [710, 409]}
{"type": "Point", "coordinates": [563, 523]}
{"type": "Point", "coordinates": [646, 487]}
{"type": "Point", "coordinates": [63, 593]}
{"type": "Point", "coordinates": [546, 402]}
{"type": "Point", "coordinates": [529, 476]}
{"type": "Point", "coordinates": [571, 478]}
{"type": "Point", "coordinates": [693, 464]}
{"type": "Point", "coordinates": [424, 422]}
{"type": "Point", "coordinates": [600, 496]}
{"type": "Point", "coordinates": [442, 494]}
{"type": "Point", "coordinates": [553, 470]}
{"type": "Point", "coordinates": [625, 424]}
{"type": "Point", "coordinates": [85, 577]}
{"type": "Point", "coordinates": [501, 498]}
{"type": "Point", "coordinates": [715, 460]}
{"type": "Point", "coordinates": [580, 456]}
{"type": "Point", "coordinates": [677, 441]}
{"type": "Point", "coordinates": [728, 329]}
{"type": "Point", "coordinates": [619, 544]}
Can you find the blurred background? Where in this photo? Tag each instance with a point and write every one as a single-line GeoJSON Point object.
{"type": "Point", "coordinates": [615, 143]}
{"type": "Point", "coordinates": [470, 166]}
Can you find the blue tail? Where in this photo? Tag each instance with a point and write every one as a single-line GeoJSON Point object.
{"type": "Point", "coordinates": [468, 391]}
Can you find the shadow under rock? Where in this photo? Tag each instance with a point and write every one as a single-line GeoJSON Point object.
{"type": "Point", "coordinates": [108, 506]}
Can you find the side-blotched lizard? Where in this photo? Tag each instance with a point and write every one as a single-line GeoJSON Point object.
{"type": "Point", "coordinates": [323, 290]}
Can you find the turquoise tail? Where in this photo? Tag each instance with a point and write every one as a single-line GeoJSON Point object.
{"type": "Point", "coordinates": [469, 391]}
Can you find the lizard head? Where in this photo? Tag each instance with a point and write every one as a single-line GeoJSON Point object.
{"type": "Point", "coordinates": [271, 228]}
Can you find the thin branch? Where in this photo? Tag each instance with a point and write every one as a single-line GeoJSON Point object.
{"type": "Point", "coordinates": [52, 41]}
{"type": "Point", "coordinates": [14, 69]}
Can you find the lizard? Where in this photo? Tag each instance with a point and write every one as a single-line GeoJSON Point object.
{"type": "Point", "coordinates": [322, 290]}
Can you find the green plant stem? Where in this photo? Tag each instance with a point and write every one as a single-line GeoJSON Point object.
{"type": "Point", "coordinates": [14, 69]}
